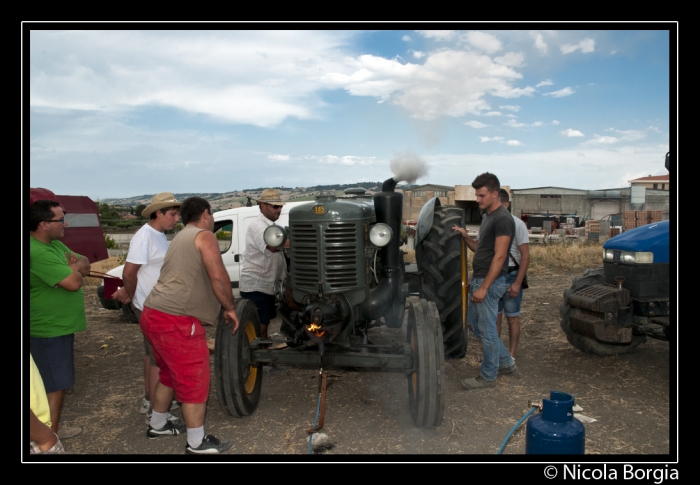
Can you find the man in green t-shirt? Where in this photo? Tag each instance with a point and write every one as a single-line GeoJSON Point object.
{"type": "Point", "coordinates": [56, 304]}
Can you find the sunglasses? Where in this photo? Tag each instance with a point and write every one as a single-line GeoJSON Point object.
{"type": "Point", "coordinates": [58, 220]}
{"type": "Point", "coordinates": [275, 206]}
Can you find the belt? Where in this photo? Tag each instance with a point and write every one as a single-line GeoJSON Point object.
{"type": "Point", "coordinates": [513, 268]}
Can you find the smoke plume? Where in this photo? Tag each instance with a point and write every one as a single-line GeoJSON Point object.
{"type": "Point", "coordinates": [409, 167]}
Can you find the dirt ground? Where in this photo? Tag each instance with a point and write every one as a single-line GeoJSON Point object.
{"type": "Point", "coordinates": [367, 411]}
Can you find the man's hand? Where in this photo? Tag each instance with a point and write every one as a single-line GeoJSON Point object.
{"type": "Point", "coordinates": [231, 316]}
{"type": "Point", "coordinates": [513, 290]}
{"type": "Point", "coordinates": [80, 264]}
{"type": "Point", "coordinates": [122, 296]}
{"type": "Point", "coordinates": [479, 295]}
{"type": "Point", "coordinates": [460, 230]}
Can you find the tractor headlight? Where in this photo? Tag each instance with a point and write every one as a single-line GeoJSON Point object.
{"type": "Point", "coordinates": [275, 236]}
{"type": "Point", "coordinates": [380, 235]}
{"type": "Point", "coordinates": [635, 257]}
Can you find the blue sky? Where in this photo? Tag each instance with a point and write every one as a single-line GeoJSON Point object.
{"type": "Point", "coordinates": [120, 113]}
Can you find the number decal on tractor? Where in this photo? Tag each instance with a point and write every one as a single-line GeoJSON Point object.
{"type": "Point", "coordinates": [319, 210]}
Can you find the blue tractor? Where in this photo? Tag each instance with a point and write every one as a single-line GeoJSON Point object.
{"type": "Point", "coordinates": [612, 309]}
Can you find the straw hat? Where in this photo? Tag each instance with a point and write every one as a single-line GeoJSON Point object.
{"type": "Point", "coordinates": [270, 196]}
{"type": "Point", "coordinates": [161, 201]}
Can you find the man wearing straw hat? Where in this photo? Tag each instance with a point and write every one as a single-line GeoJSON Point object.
{"type": "Point", "coordinates": [263, 265]}
{"type": "Point", "coordinates": [146, 253]}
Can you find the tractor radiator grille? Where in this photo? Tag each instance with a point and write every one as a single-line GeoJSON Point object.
{"type": "Point", "coordinates": [326, 254]}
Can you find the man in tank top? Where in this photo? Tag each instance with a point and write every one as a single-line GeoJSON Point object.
{"type": "Point", "coordinates": [192, 287]}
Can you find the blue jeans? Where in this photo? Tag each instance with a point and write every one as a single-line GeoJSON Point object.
{"type": "Point", "coordinates": [482, 318]}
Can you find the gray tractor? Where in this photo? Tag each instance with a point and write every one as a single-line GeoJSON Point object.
{"type": "Point", "coordinates": [348, 276]}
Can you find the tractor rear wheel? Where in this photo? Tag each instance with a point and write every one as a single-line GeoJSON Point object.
{"type": "Point", "coordinates": [427, 381]}
{"type": "Point", "coordinates": [443, 262]}
{"type": "Point", "coordinates": [585, 343]}
{"type": "Point", "coordinates": [238, 379]}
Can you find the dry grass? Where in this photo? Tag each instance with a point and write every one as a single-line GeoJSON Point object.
{"type": "Point", "coordinates": [566, 255]}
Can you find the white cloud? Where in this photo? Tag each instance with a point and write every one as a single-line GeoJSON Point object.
{"type": "Point", "coordinates": [406, 38]}
{"type": "Point", "coordinates": [449, 82]}
{"type": "Point", "coordinates": [486, 42]}
{"type": "Point", "coordinates": [492, 113]}
{"type": "Point", "coordinates": [602, 140]}
{"type": "Point", "coordinates": [570, 133]}
{"type": "Point", "coordinates": [484, 139]}
{"type": "Point", "coordinates": [546, 82]}
{"type": "Point", "coordinates": [510, 107]}
{"type": "Point", "coordinates": [654, 128]}
{"type": "Point", "coordinates": [628, 135]}
{"type": "Point", "coordinates": [194, 71]}
{"type": "Point", "coordinates": [514, 124]}
{"type": "Point", "coordinates": [441, 35]}
{"type": "Point", "coordinates": [514, 59]}
{"type": "Point", "coordinates": [555, 122]}
{"type": "Point", "coordinates": [537, 123]}
{"type": "Point", "coordinates": [280, 158]}
{"type": "Point", "coordinates": [513, 143]}
{"type": "Point", "coordinates": [540, 44]}
{"type": "Point", "coordinates": [475, 124]}
{"type": "Point", "coordinates": [346, 160]}
{"type": "Point", "coordinates": [567, 91]}
{"type": "Point", "coordinates": [586, 45]}
{"type": "Point", "coordinates": [418, 54]}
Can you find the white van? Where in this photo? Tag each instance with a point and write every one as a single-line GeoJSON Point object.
{"type": "Point", "coordinates": [230, 227]}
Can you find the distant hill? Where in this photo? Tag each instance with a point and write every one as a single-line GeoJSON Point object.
{"type": "Point", "coordinates": [238, 198]}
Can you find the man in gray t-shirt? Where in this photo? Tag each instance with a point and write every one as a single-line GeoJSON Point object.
{"type": "Point", "coordinates": [488, 282]}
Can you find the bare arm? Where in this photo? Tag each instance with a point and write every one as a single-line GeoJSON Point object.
{"type": "Point", "coordinates": [470, 242]}
{"type": "Point", "coordinates": [73, 282]}
{"type": "Point", "coordinates": [221, 285]}
{"type": "Point", "coordinates": [131, 280]}
{"type": "Point", "coordinates": [522, 270]}
{"type": "Point", "coordinates": [81, 265]}
{"type": "Point", "coordinates": [501, 249]}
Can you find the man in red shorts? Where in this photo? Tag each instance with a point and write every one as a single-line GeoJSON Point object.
{"type": "Point", "coordinates": [192, 287]}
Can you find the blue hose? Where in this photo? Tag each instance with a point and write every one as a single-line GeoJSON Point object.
{"type": "Point", "coordinates": [503, 445]}
{"type": "Point", "coordinates": [311, 435]}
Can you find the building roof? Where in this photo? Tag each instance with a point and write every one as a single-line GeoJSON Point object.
{"type": "Point", "coordinates": [547, 187]}
{"type": "Point", "coordinates": [432, 186]}
{"type": "Point", "coordinates": [651, 178]}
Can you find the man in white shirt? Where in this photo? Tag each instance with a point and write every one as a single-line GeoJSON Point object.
{"type": "Point", "coordinates": [519, 259]}
{"type": "Point", "coordinates": [262, 264]}
{"type": "Point", "coordinates": [146, 253]}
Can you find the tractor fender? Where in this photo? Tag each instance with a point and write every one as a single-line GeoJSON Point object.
{"type": "Point", "coordinates": [425, 219]}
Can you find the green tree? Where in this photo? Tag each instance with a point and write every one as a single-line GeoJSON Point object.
{"type": "Point", "coordinates": [138, 210]}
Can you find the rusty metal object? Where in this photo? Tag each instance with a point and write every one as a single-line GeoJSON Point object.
{"type": "Point", "coordinates": [600, 298]}
{"type": "Point", "coordinates": [322, 405]}
{"type": "Point", "coordinates": [592, 325]}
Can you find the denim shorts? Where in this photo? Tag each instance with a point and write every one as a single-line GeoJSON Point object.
{"type": "Point", "coordinates": [510, 306]}
{"type": "Point", "coordinates": [53, 357]}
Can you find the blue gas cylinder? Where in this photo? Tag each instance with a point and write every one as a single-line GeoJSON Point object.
{"type": "Point", "coordinates": [555, 431]}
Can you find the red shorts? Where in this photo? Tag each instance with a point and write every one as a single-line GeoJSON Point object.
{"type": "Point", "coordinates": [180, 349]}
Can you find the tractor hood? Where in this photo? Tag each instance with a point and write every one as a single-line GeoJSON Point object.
{"type": "Point", "coordinates": [650, 238]}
